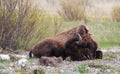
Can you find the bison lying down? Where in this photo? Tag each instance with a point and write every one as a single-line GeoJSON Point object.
{"type": "Point", "coordinates": [76, 43]}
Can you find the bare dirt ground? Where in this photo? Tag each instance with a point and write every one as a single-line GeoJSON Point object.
{"type": "Point", "coordinates": [19, 63]}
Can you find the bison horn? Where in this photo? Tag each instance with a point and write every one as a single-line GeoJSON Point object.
{"type": "Point", "coordinates": [31, 54]}
{"type": "Point", "coordinates": [79, 37]}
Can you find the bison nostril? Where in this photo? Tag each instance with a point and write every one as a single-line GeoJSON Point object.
{"type": "Point", "coordinates": [99, 54]}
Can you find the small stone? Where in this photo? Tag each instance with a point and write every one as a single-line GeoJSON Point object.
{"type": "Point", "coordinates": [66, 71]}
{"type": "Point", "coordinates": [50, 61]}
{"type": "Point", "coordinates": [4, 57]}
{"type": "Point", "coordinates": [22, 62]}
{"type": "Point", "coordinates": [13, 57]}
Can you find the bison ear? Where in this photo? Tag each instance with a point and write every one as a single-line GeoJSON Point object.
{"type": "Point", "coordinates": [99, 54]}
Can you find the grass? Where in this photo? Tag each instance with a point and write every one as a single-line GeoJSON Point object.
{"type": "Point", "coordinates": [104, 31]}
{"type": "Point", "coordinates": [83, 68]}
{"type": "Point", "coordinates": [31, 59]}
{"type": "Point", "coordinates": [111, 56]}
{"type": "Point", "coordinates": [73, 9]}
{"type": "Point", "coordinates": [4, 61]}
{"type": "Point", "coordinates": [104, 44]}
{"type": "Point", "coordinates": [105, 68]}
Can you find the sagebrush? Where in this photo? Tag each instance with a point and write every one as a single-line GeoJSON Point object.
{"type": "Point", "coordinates": [116, 13]}
{"type": "Point", "coordinates": [22, 24]}
{"type": "Point", "coordinates": [73, 9]}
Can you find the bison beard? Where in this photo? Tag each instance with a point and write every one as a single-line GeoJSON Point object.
{"type": "Point", "coordinates": [76, 43]}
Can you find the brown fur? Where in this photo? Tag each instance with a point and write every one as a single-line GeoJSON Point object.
{"type": "Point", "coordinates": [86, 49]}
{"type": "Point", "coordinates": [89, 43]}
{"type": "Point", "coordinates": [66, 44]}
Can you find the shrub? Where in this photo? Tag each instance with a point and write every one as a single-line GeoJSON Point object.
{"type": "Point", "coordinates": [116, 13]}
{"type": "Point", "coordinates": [22, 24]}
{"type": "Point", "coordinates": [17, 22]}
{"type": "Point", "coordinates": [48, 26]}
{"type": "Point", "coordinates": [57, 24]}
{"type": "Point", "coordinates": [73, 9]}
{"type": "Point", "coordinates": [83, 68]}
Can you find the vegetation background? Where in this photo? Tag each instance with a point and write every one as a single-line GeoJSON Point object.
{"type": "Point", "coordinates": [24, 22]}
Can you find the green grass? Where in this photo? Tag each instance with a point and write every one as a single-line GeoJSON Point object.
{"type": "Point", "coordinates": [4, 63]}
{"type": "Point", "coordinates": [83, 68]}
{"type": "Point", "coordinates": [106, 67]}
{"type": "Point", "coordinates": [104, 44]}
{"type": "Point", "coordinates": [105, 32]}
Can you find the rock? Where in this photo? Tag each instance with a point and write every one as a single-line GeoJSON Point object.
{"type": "Point", "coordinates": [50, 61]}
{"type": "Point", "coordinates": [31, 66]}
{"type": "Point", "coordinates": [22, 62]}
{"type": "Point", "coordinates": [4, 57]}
{"type": "Point", "coordinates": [13, 57]}
{"type": "Point", "coordinates": [16, 57]}
{"type": "Point", "coordinates": [68, 59]}
{"type": "Point", "coordinates": [65, 71]}
{"type": "Point", "coordinates": [22, 56]}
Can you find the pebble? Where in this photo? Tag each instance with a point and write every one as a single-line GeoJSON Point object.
{"type": "Point", "coordinates": [4, 57]}
{"type": "Point", "coordinates": [21, 62]}
{"type": "Point", "coordinates": [22, 56]}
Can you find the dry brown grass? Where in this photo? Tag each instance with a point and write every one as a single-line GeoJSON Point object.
{"type": "Point", "coordinates": [73, 9]}
{"type": "Point", "coordinates": [116, 13]}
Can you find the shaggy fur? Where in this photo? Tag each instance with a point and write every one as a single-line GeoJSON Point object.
{"type": "Point", "coordinates": [67, 44]}
{"type": "Point", "coordinates": [55, 46]}
{"type": "Point", "coordinates": [84, 49]}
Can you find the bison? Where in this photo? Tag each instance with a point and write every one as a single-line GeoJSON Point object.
{"type": "Point", "coordinates": [84, 49]}
{"type": "Point", "coordinates": [76, 43]}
